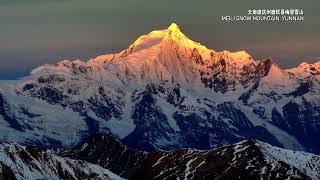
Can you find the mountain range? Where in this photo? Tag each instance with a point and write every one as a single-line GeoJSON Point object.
{"type": "Point", "coordinates": [91, 159]}
{"type": "Point", "coordinates": [165, 92]}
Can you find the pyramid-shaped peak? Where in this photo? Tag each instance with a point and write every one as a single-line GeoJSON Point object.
{"type": "Point", "coordinates": [174, 27]}
{"type": "Point", "coordinates": [173, 33]}
{"type": "Point", "coordinates": [168, 40]}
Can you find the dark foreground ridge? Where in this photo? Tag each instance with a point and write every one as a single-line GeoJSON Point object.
{"type": "Point", "coordinates": [249, 159]}
{"type": "Point", "coordinates": [30, 163]}
{"type": "Point", "coordinates": [103, 157]}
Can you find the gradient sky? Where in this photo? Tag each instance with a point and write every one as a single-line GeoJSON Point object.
{"type": "Point", "coordinates": [34, 32]}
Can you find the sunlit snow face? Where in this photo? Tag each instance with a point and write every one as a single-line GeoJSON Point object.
{"type": "Point", "coordinates": [35, 32]}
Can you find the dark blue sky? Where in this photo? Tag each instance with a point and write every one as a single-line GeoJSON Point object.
{"type": "Point", "coordinates": [35, 32]}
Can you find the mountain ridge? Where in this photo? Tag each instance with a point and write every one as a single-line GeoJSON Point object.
{"type": "Point", "coordinates": [31, 162]}
{"type": "Point", "coordinates": [246, 159]}
{"type": "Point", "coordinates": [102, 156]}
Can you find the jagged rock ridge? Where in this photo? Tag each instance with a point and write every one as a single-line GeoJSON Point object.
{"type": "Point", "coordinates": [249, 159]}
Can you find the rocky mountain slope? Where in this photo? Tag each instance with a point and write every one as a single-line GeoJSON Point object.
{"type": "Point", "coordinates": [249, 159]}
{"type": "Point", "coordinates": [165, 91]}
{"type": "Point", "coordinates": [26, 163]}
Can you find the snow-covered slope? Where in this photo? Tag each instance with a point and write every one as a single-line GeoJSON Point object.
{"type": "Point", "coordinates": [26, 163]}
{"type": "Point", "coordinates": [165, 91]}
{"type": "Point", "coordinates": [306, 162]}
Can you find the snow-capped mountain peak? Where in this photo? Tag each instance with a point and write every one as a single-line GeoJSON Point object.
{"type": "Point", "coordinates": [174, 35]}
{"type": "Point", "coordinates": [159, 56]}
{"type": "Point", "coordinates": [170, 40]}
{"type": "Point", "coordinates": [174, 28]}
